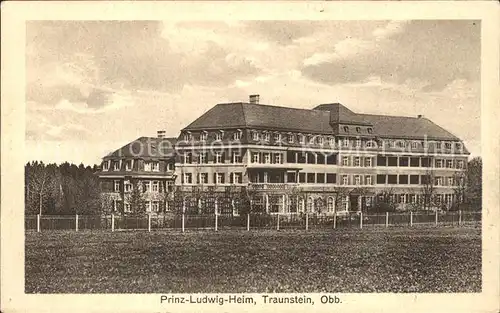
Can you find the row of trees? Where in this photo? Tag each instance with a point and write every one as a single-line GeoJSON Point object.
{"type": "Point", "coordinates": [61, 189]}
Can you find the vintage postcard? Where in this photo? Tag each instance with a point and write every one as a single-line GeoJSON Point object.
{"type": "Point", "coordinates": [281, 156]}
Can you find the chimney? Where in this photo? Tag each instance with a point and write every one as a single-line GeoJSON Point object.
{"type": "Point", "coordinates": [161, 134]}
{"type": "Point", "coordinates": [254, 99]}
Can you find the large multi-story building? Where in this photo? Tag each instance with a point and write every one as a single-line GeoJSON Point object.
{"type": "Point", "coordinates": [326, 159]}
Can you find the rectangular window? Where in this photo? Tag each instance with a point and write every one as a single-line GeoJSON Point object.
{"type": "Point", "coordinates": [414, 144]}
{"type": "Point", "coordinates": [358, 142]}
{"type": "Point", "coordinates": [255, 157]}
{"type": "Point", "coordinates": [116, 186]}
{"type": "Point", "coordinates": [311, 158]}
{"type": "Point", "coordinates": [170, 167]}
{"type": "Point", "coordinates": [414, 179]}
{"type": "Point", "coordinates": [331, 141]}
{"type": "Point", "coordinates": [204, 178]}
{"type": "Point", "coordinates": [368, 180]}
{"type": "Point", "coordinates": [345, 180]}
{"type": "Point", "coordinates": [368, 162]}
{"type": "Point", "coordinates": [451, 181]}
{"type": "Point", "coordinates": [277, 158]}
{"type": "Point", "coordinates": [321, 140]}
{"type": "Point", "coordinates": [439, 163]}
{"type": "Point", "coordinates": [236, 157]}
{"type": "Point", "coordinates": [403, 179]}
{"type": "Point", "coordinates": [460, 164]}
{"type": "Point", "coordinates": [116, 165]}
{"type": "Point", "coordinates": [392, 179]}
{"type": "Point", "coordinates": [380, 179]}
{"type": "Point", "coordinates": [267, 158]}
{"type": "Point", "coordinates": [381, 161]}
{"type": "Point", "coordinates": [129, 165]}
{"type": "Point", "coordinates": [188, 158]}
{"type": "Point", "coordinates": [202, 158]}
{"type": "Point", "coordinates": [155, 206]}
{"type": "Point", "coordinates": [155, 166]}
{"type": "Point", "coordinates": [425, 162]}
{"type": "Point", "coordinates": [147, 166]}
{"type": "Point", "coordinates": [147, 205]}
{"type": "Point", "coordinates": [277, 137]}
{"type": "Point", "coordinates": [403, 161]}
{"type": "Point", "coordinates": [267, 136]}
{"type": "Point", "coordinates": [127, 186]}
{"type": "Point", "coordinates": [345, 161]}
{"type": "Point", "coordinates": [438, 145]}
{"type": "Point", "coordinates": [357, 161]}
{"type": "Point", "coordinates": [438, 181]}
{"type": "Point", "coordinates": [302, 177]}
{"type": "Point", "coordinates": [447, 145]}
{"type": "Point", "coordinates": [146, 186]}
{"type": "Point", "coordinates": [392, 161]}
{"type": "Point", "coordinates": [126, 207]}
{"type": "Point", "coordinates": [105, 165]}
{"type": "Point", "coordinates": [170, 186]}
{"type": "Point", "coordinates": [414, 162]}
{"type": "Point", "coordinates": [188, 178]}
{"type": "Point", "coordinates": [155, 186]}
{"type": "Point", "coordinates": [331, 159]}
{"type": "Point", "coordinates": [218, 157]}
{"type": "Point", "coordinates": [311, 178]}
{"type": "Point", "coordinates": [220, 178]}
{"type": "Point", "coordinates": [237, 178]}
{"type": "Point", "coordinates": [203, 136]}
{"type": "Point", "coordinates": [345, 143]}
{"type": "Point", "coordinates": [320, 158]}
{"type": "Point", "coordinates": [255, 136]}
{"type": "Point", "coordinates": [290, 138]}
{"type": "Point", "coordinates": [219, 135]}
{"type": "Point", "coordinates": [331, 178]}
{"type": "Point", "coordinates": [320, 178]}
{"type": "Point", "coordinates": [357, 180]}
{"type": "Point", "coordinates": [449, 163]}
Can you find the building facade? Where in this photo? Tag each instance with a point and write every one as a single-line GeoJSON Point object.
{"type": "Point", "coordinates": [322, 160]}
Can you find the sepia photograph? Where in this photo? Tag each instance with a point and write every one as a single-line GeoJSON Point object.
{"type": "Point", "coordinates": [254, 156]}
{"type": "Point", "coordinates": [253, 162]}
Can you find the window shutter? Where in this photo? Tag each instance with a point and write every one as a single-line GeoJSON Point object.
{"type": "Point", "coordinates": [231, 178]}
{"type": "Point", "coordinates": [215, 178]}
{"type": "Point", "coordinates": [223, 178]}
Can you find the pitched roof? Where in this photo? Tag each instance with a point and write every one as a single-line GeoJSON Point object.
{"type": "Point", "coordinates": [146, 147]}
{"type": "Point", "coordinates": [317, 120]}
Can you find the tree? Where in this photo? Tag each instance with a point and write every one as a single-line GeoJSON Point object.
{"type": "Point", "coordinates": [136, 199]}
{"type": "Point", "coordinates": [38, 181]}
{"type": "Point", "coordinates": [341, 193]}
{"type": "Point", "coordinates": [474, 183]}
{"type": "Point", "coordinates": [459, 189]}
{"type": "Point", "coordinates": [385, 201]}
{"type": "Point", "coordinates": [428, 189]}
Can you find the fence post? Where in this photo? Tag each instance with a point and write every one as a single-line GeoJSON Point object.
{"type": "Point", "coordinates": [459, 217]}
{"type": "Point", "coordinates": [149, 222]}
{"type": "Point", "coordinates": [182, 222]}
{"type": "Point", "coordinates": [335, 220]}
{"type": "Point", "coordinates": [278, 223]}
{"type": "Point", "coordinates": [112, 222]}
{"type": "Point", "coordinates": [38, 222]}
{"type": "Point", "coordinates": [307, 221]}
{"type": "Point", "coordinates": [386, 219]}
{"type": "Point", "coordinates": [216, 220]}
{"type": "Point", "coordinates": [248, 222]}
{"type": "Point", "coordinates": [436, 222]}
{"type": "Point", "coordinates": [76, 222]}
{"type": "Point", "coordinates": [411, 218]}
{"type": "Point", "coordinates": [361, 220]}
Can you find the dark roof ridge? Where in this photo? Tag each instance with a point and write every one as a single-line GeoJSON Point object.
{"type": "Point", "coordinates": [387, 115]}
{"type": "Point", "coordinates": [272, 106]}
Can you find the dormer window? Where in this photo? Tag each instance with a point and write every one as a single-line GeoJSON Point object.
{"type": "Point", "coordinates": [345, 143]}
{"type": "Point", "coordinates": [255, 135]}
{"type": "Point", "coordinates": [105, 165]}
{"type": "Point", "coordinates": [312, 139]}
{"type": "Point", "coordinates": [237, 135]}
{"type": "Point", "coordinates": [188, 136]}
{"type": "Point", "coordinates": [370, 144]}
{"type": "Point", "coordinates": [203, 136]}
{"type": "Point", "coordinates": [277, 137]}
{"type": "Point", "coordinates": [290, 138]}
{"type": "Point", "coordinates": [219, 135]}
{"type": "Point", "coordinates": [438, 145]}
{"type": "Point", "coordinates": [370, 130]}
{"type": "Point", "coordinates": [331, 141]}
{"type": "Point", "coordinates": [302, 138]}
{"type": "Point", "coordinates": [414, 144]}
{"type": "Point", "coordinates": [267, 136]}
{"type": "Point", "coordinates": [447, 145]}
{"type": "Point", "coordinates": [358, 142]}
{"type": "Point", "coordinates": [147, 166]}
{"type": "Point", "coordinates": [321, 140]}
{"type": "Point", "coordinates": [346, 129]}
{"type": "Point", "coordinates": [129, 164]}
{"type": "Point", "coordinates": [116, 165]}
{"type": "Point", "coordinates": [155, 166]}
{"type": "Point", "coordinates": [458, 146]}
{"type": "Point", "coordinates": [358, 129]}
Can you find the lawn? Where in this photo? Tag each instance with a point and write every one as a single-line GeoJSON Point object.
{"type": "Point", "coordinates": [369, 260]}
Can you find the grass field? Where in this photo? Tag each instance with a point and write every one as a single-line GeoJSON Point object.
{"type": "Point", "coordinates": [381, 260]}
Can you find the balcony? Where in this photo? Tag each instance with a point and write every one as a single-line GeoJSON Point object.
{"type": "Point", "coordinates": [273, 186]}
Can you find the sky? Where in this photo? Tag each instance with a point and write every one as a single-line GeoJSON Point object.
{"type": "Point", "coordinates": [93, 86]}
